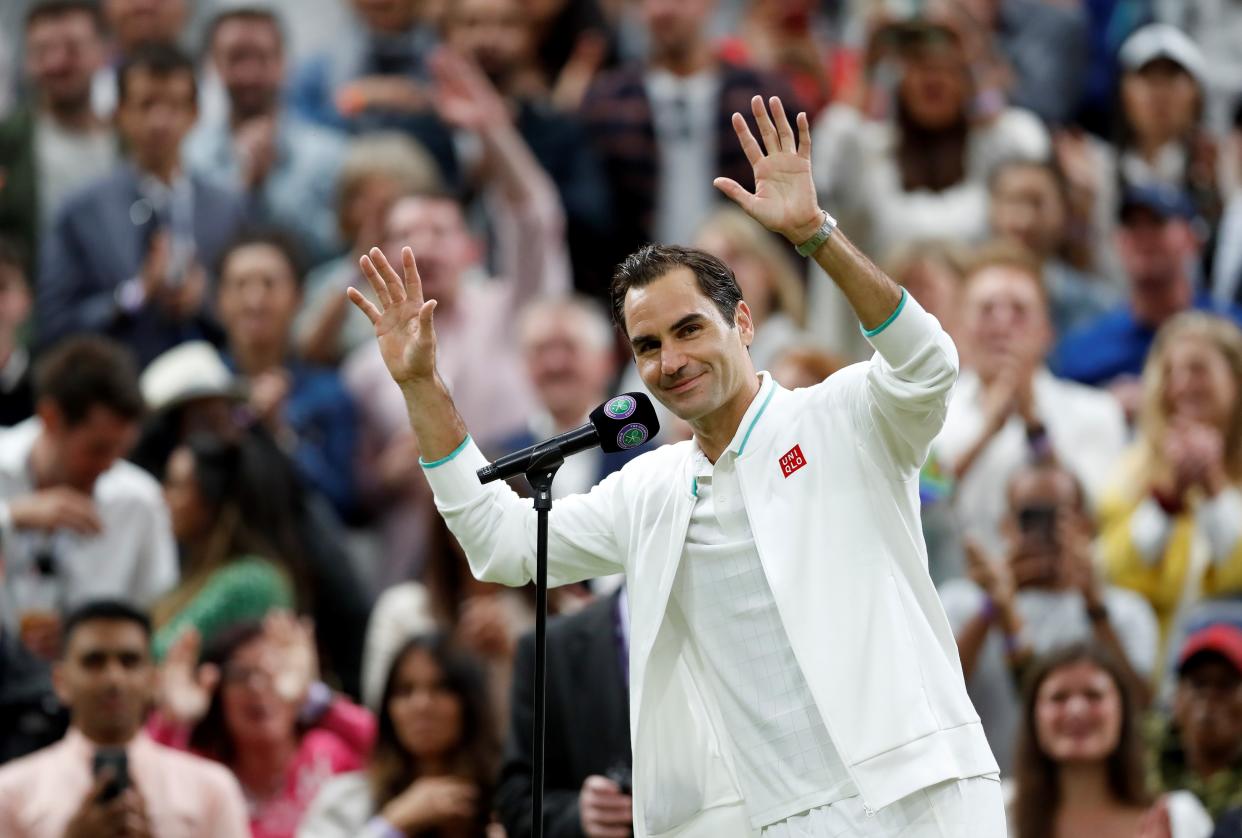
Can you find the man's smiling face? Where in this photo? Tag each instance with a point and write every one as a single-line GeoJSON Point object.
{"type": "Point", "coordinates": [689, 357]}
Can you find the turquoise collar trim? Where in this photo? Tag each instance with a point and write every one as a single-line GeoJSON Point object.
{"type": "Point", "coordinates": [870, 333]}
{"type": "Point", "coordinates": [771, 390]}
{"type": "Point", "coordinates": [448, 457]}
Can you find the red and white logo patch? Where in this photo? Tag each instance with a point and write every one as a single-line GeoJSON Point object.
{"type": "Point", "coordinates": [792, 460]}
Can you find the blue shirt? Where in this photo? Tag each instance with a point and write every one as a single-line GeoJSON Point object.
{"type": "Point", "coordinates": [1116, 344]}
{"type": "Point", "coordinates": [323, 419]}
{"type": "Point", "coordinates": [299, 192]}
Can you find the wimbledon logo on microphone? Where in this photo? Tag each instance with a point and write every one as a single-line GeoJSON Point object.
{"type": "Point", "coordinates": [622, 407]}
{"type": "Point", "coordinates": [632, 435]}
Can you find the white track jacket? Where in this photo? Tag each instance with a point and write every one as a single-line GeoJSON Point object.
{"type": "Point", "coordinates": [841, 545]}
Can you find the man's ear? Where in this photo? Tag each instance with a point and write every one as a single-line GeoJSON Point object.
{"type": "Point", "coordinates": [744, 322]}
{"type": "Point", "coordinates": [51, 416]}
{"type": "Point", "coordinates": [59, 684]}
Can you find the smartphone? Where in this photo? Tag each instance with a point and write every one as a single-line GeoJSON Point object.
{"type": "Point", "coordinates": [116, 760]}
{"type": "Point", "coordinates": [1038, 522]}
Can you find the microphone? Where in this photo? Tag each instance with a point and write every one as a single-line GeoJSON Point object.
{"type": "Point", "coordinates": [623, 422]}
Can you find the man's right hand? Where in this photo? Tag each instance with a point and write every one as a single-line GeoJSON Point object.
{"type": "Point", "coordinates": [56, 508]}
{"type": "Point", "coordinates": [125, 816]}
{"type": "Point", "coordinates": [604, 810]}
{"type": "Point", "coordinates": [402, 320]}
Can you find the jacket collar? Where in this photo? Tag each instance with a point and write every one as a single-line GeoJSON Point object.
{"type": "Point", "coordinates": [741, 437]}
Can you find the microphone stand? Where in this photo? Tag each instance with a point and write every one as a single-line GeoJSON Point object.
{"type": "Point", "coordinates": [540, 476]}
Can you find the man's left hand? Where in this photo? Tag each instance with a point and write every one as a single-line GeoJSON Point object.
{"type": "Point", "coordinates": [784, 200]}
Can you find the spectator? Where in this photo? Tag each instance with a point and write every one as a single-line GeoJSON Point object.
{"type": "Point", "coordinates": [134, 24]}
{"type": "Point", "coordinates": [567, 345]}
{"type": "Point", "coordinates": [285, 167]}
{"type": "Point", "coordinates": [125, 256]}
{"type": "Point", "coordinates": [769, 281]}
{"type": "Point", "coordinates": [105, 677]}
{"type": "Point", "coordinates": [434, 763]}
{"type": "Point", "coordinates": [1028, 203]}
{"type": "Point", "coordinates": [1042, 593]}
{"type": "Point", "coordinates": [804, 366]}
{"type": "Point", "coordinates": [256, 705]}
{"type": "Point", "coordinates": [497, 36]}
{"type": "Point", "coordinates": [1158, 248]}
{"type": "Point", "coordinates": [663, 129]}
{"type": "Point", "coordinates": [587, 739]}
{"type": "Point", "coordinates": [77, 521]}
{"type": "Point", "coordinates": [1026, 33]}
{"type": "Point", "coordinates": [783, 37]}
{"type": "Point", "coordinates": [1170, 522]}
{"type": "Point", "coordinates": [1080, 758]}
{"type": "Point", "coordinates": [239, 551]}
{"type": "Point", "coordinates": [1008, 406]}
{"type": "Point", "coordinates": [378, 169]}
{"type": "Point", "coordinates": [917, 166]}
{"type": "Point", "coordinates": [305, 409]}
{"type": "Point", "coordinates": [1226, 276]}
{"type": "Point", "coordinates": [190, 391]}
{"type": "Point", "coordinates": [1199, 747]}
{"type": "Point", "coordinates": [55, 144]}
{"type": "Point", "coordinates": [1158, 138]}
{"type": "Point", "coordinates": [931, 270]}
{"type": "Point", "coordinates": [16, 392]}
{"type": "Point", "coordinates": [484, 619]}
{"type": "Point", "coordinates": [475, 334]}
{"type": "Point", "coordinates": [370, 78]}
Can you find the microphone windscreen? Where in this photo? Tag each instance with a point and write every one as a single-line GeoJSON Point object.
{"type": "Point", "coordinates": [625, 421]}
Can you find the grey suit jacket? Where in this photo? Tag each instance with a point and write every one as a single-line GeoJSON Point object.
{"type": "Point", "coordinates": [95, 245]}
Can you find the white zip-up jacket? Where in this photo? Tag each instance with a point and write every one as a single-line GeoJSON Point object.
{"type": "Point", "coordinates": [842, 548]}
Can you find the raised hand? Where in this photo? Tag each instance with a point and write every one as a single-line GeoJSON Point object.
{"type": "Point", "coordinates": [784, 199]}
{"type": "Point", "coordinates": [464, 97]}
{"type": "Point", "coordinates": [294, 661]}
{"type": "Point", "coordinates": [186, 687]}
{"type": "Point", "coordinates": [402, 320]}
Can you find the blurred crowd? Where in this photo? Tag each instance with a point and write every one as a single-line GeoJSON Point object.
{"type": "Point", "coordinates": [227, 601]}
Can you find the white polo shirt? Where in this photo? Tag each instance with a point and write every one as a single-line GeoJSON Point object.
{"type": "Point", "coordinates": [785, 759]}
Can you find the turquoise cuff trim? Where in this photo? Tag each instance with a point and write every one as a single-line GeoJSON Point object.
{"type": "Point", "coordinates": [446, 458]}
{"type": "Point", "coordinates": [741, 448]}
{"type": "Point", "coordinates": [870, 333]}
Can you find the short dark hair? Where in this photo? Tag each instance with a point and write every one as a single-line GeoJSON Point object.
{"type": "Point", "coordinates": [253, 13]}
{"type": "Point", "coordinates": [113, 610]}
{"type": "Point", "coordinates": [47, 9]}
{"type": "Point", "coordinates": [160, 60]}
{"type": "Point", "coordinates": [648, 264]}
{"type": "Point", "coordinates": [11, 257]}
{"type": "Point", "coordinates": [83, 372]}
{"type": "Point", "coordinates": [276, 238]}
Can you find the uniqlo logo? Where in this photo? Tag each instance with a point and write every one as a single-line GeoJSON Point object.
{"type": "Point", "coordinates": [792, 460]}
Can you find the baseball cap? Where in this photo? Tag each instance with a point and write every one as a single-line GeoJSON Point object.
{"type": "Point", "coordinates": [1160, 199]}
{"type": "Point", "coordinates": [1223, 639]}
{"type": "Point", "coordinates": [1161, 40]}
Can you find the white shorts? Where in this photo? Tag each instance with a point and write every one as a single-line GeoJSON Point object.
{"type": "Point", "coordinates": [974, 807]}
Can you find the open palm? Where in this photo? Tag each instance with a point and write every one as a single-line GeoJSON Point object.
{"type": "Point", "coordinates": [402, 320]}
{"type": "Point", "coordinates": [784, 199]}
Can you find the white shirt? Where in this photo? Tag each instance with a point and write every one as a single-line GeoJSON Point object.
{"type": "Point", "coordinates": [785, 758]}
{"type": "Point", "coordinates": [683, 111]}
{"type": "Point", "coordinates": [134, 557]}
{"type": "Point", "coordinates": [1085, 425]}
{"type": "Point", "coordinates": [68, 161]}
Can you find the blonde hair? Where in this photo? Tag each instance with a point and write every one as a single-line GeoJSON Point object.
{"type": "Point", "coordinates": [389, 155]}
{"type": "Point", "coordinates": [905, 258]}
{"type": "Point", "coordinates": [1153, 421]}
{"type": "Point", "coordinates": [746, 234]}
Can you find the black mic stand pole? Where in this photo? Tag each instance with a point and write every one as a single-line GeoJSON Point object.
{"type": "Point", "coordinates": [540, 476]}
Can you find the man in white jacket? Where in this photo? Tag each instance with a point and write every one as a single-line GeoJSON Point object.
{"type": "Point", "coordinates": [791, 669]}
